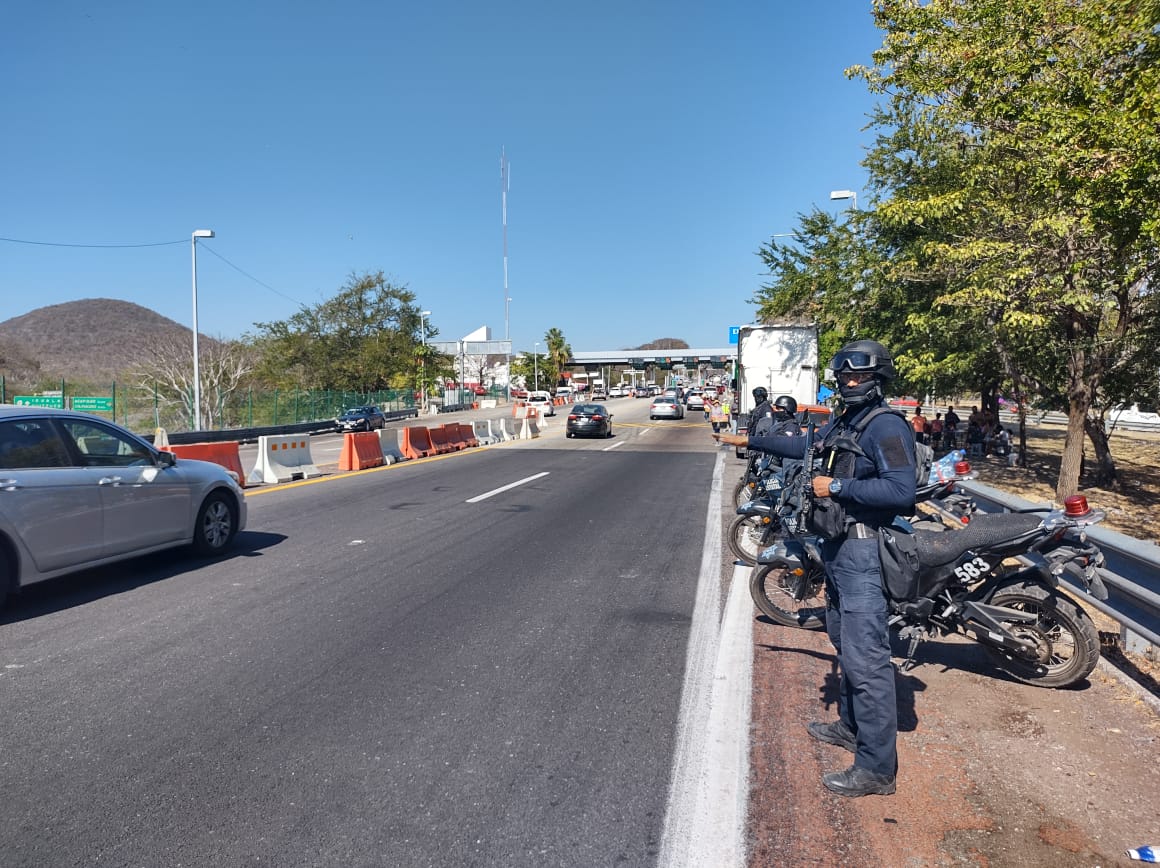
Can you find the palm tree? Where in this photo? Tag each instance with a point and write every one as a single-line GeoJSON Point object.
{"type": "Point", "coordinates": [559, 353]}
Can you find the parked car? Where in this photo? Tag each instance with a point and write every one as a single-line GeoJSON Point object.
{"type": "Point", "coordinates": [588, 420]}
{"type": "Point", "coordinates": [78, 492]}
{"type": "Point", "coordinates": [542, 401]}
{"type": "Point", "coordinates": [666, 407]}
{"type": "Point", "coordinates": [369, 418]}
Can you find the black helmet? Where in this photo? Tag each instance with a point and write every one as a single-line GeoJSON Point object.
{"type": "Point", "coordinates": [863, 357]}
{"type": "Point", "coordinates": [786, 404]}
{"type": "Point", "coordinates": [760, 395]}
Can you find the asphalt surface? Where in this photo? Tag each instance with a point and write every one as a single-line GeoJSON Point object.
{"type": "Point", "coordinates": [381, 673]}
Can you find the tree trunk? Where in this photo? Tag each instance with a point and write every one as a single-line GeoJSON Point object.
{"type": "Point", "coordinates": [1071, 463]}
{"type": "Point", "coordinates": [1105, 475]}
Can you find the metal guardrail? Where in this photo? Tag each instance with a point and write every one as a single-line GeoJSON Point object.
{"type": "Point", "coordinates": [1131, 574]}
{"type": "Point", "coordinates": [250, 435]}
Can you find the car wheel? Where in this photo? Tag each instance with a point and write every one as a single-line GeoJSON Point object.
{"type": "Point", "coordinates": [6, 577]}
{"type": "Point", "coordinates": [567, 433]}
{"type": "Point", "coordinates": [217, 524]}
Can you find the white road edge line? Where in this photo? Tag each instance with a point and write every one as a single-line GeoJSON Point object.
{"type": "Point", "coordinates": [613, 446]}
{"type": "Point", "coordinates": [504, 488]}
{"type": "Point", "coordinates": [709, 783]}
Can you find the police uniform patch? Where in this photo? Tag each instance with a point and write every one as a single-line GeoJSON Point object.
{"type": "Point", "coordinates": [893, 453]}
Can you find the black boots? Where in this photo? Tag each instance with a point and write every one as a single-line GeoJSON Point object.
{"type": "Point", "coordinates": [833, 733]}
{"type": "Point", "coordinates": [856, 781]}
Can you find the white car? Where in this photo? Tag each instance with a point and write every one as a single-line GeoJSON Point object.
{"type": "Point", "coordinates": [542, 401]}
{"type": "Point", "coordinates": [78, 492]}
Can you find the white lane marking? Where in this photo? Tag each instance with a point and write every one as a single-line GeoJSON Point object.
{"type": "Point", "coordinates": [643, 431]}
{"type": "Point", "coordinates": [613, 446]}
{"type": "Point", "coordinates": [504, 488]}
{"type": "Point", "coordinates": [709, 786]}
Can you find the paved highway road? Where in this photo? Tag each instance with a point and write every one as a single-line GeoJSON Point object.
{"type": "Point", "coordinates": [407, 666]}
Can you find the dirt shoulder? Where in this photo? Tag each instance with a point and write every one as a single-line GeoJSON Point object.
{"type": "Point", "coordinates": [992, 772]}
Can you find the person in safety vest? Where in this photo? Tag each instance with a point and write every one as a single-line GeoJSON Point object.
{"type": "Point", "coordinates": [868, 488]}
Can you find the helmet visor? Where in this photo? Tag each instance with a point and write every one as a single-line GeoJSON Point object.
{"type": "Point", "coordinates": [856, 360]}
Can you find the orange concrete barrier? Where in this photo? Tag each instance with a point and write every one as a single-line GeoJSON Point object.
{"type": "Point", "coordinates": [454, 436]}
{"type": "Point", "coordinates": [467, 434]}
{"type": "Point", "coordinates": [441, 440]}
{"type": "Point", "coordinates": [417, 442]}
{"type": "Point", "coordinates": [518, 410]}
{"type": "Point", "coordinates": [360, 450]}
{"type": "Point", "coordinates": [225, 454]}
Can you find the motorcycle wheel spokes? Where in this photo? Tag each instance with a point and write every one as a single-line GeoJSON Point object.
{"type": "Point", "coordinates": [1067, 645]}
{"type": "Point", "coordinates": [747, 537]}
{"type": "Point", "coordinates": [772, 587]}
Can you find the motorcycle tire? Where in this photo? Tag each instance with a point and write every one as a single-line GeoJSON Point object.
{"type": "Point", "coordinates": [1068, 645]}
{"type": "Point", "coordinates": [743, 492]}
{"type": "Point", "coordinates": [747, 536]}
{"type": "Point", "coordinates": [772, 589]}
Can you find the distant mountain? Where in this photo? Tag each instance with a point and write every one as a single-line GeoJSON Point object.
{"type": "Point", "coordinates": [94, 340]}
{"type": "Point", "coordinates": [664, 344]}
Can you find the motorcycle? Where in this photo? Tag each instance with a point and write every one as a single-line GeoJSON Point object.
{"type": "Point", "coordinates": [997, 580]}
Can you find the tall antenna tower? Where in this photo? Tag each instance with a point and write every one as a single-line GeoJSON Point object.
{"type": "Point", "coordinates": [504, 182]}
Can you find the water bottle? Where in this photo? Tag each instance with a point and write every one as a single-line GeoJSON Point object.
{"type": "Point", "coordinates": [1145, 854]}
{"type": "Point", "coordinates": [944, 469]}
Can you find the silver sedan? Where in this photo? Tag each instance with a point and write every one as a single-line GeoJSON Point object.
{"type": "Point", "coordinates": [666, 407]}
{"type": "Point", "coordinates": [77, 491]}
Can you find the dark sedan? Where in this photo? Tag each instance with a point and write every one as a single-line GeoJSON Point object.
{"type": "Point", "coordinates": [589, 420]}
{"type": "Point", "coordinates": [360, 419]}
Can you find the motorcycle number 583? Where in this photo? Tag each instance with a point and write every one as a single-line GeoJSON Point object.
{"type": "Point", "coordinates": [972, 569]}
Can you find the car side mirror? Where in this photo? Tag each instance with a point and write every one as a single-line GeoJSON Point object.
{"type": "Point", "coordinates": [166, 459]}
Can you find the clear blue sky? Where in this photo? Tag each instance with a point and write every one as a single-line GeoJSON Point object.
{"type": "Point", "coordinates": [654, 146]}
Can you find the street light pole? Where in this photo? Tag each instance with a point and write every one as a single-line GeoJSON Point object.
{"type": "Point", "coordinates": [423, 314]}
{"type": "Point", "coordinates": [536, 365]}
{"type": "Point", "coordinates": [845, 194]}
{"type": "Point", "coordinates": [197, 233]}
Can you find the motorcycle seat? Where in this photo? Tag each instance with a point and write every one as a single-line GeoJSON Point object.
{"type": "Point", "coordinates": [936, 548]}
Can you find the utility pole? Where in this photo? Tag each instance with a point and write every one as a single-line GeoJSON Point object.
{"type": "Point", "coordinates": [504, 181]}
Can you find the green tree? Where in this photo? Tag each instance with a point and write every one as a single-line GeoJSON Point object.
{"type": "Point", "coordinates": [559, 353]}
{"type": "Point", "coordinates": [362, 339]}
{"type": "Point", "coordinates": [1054, 106]}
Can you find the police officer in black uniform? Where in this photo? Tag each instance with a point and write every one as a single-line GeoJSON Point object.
{"type": "Point", "coordinates": [761, 416]}
{"type": "Point", "coordinates": [785, 416]}
{"type": "Point", "coordinates": [872, 488]}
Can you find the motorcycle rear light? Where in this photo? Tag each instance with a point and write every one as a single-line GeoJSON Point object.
{"type": "Point", "coordinates": [1076, 506]}
{"type": "Point", "coordinates": [966, 519]}
{"type": "Point", "coordinates": [962, 468]}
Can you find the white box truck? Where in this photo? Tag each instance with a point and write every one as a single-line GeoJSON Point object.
{"type": "Point", "coordinates": [781, 357]}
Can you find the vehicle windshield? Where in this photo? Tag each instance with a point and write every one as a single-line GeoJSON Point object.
{"type": "Point", "coordinates": [357, 411]}
{"type": "Point", "coordinates": [587, 409]}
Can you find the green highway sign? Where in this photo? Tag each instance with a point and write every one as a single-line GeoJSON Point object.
{"type": "Point", "coordinates": [39, 401]}
{"type": "Point", "coordinates": [92, 405]}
